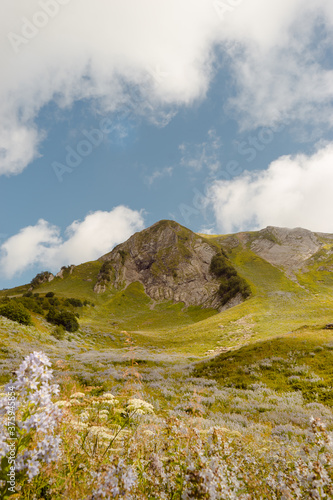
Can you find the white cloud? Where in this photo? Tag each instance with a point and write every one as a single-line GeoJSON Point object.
{"type": "Point", "coordinates": [205, 155]}
{"type": "Point", "coordinates": [281, 59]}
{"type": "Point", "coordinates": [88, 240]}
{"type": "Point", "coordinates": [158, 174]}
{"type": "Point", "coordinates": [68, 50]}
{"type": "Point", "coordinates": [18, 147]}
{"type": "Point", "coordinates": [292, 192]}
{"type": "Point", "coordinates": [98, 51]}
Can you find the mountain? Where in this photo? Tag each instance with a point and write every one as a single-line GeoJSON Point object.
{"type": "Point", "coordinates": [178, 292]}
{"type": "Point", "coordinates": [292, 250]}
{"type": "Point", "coordinates": [172, 263]}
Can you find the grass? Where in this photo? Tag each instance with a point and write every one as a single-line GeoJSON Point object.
{"type": "Point", "coordinates": [300, 361]}
{"type": "Point", "coordinates": [193, 437]}
{"type": "Point", "coordinates": [79, 284]}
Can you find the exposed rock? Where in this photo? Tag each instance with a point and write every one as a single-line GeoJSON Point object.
{"type": "Point", "coordinates": [238, 299]}
{"type": "Point", "coordinates": [39, 279]}
{"type": "Point", "coordinates": [100, 287]}
{"type": "Point", "coordinates": [64, 270]}
{"type": "Point", "coordinates": [170, 261]}
{"type": "Point", "coordinates": [287, 249]}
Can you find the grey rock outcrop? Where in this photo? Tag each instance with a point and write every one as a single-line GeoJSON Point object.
{"type": "Point", "coordinates": [65, 269]}
{"type": "Point", "coordinates": [169, 260]}
{"type": "Point", "coordinates": [291, 250]}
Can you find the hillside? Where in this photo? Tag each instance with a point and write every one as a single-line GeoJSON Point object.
{"type": "Point", "coordinates": [160, 286]}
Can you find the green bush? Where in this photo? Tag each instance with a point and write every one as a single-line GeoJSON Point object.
{"type": "Point", "coordinates": [105, 271]}
{"type": "Point", "coordinates": [231, 282]}
{"type": "Point", "coordinates": [54, 301]}
{"type": "Point", "coordinates": [64, 318]}
{"type": "Point", "coordinates": [59, 332]}
{"type": "Point", "coordinates": [30, 303]}
{"type": "Point", "coordinates": [16, 312]}
{"type": "Point", "coordinates": [73, 302]}
{"type": "Point", "coordinates": [45, 304]}
{"type": "Point", "coordinates": [49, 294]}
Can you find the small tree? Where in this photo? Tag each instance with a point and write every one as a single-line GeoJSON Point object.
{"type": "Point", "coordinates": [64, 318]}
{"type": "Point", "coordinates": [16, 312]}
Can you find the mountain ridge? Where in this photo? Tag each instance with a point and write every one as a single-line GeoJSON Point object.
{"type": "Point", "coordinates": [292, 250]}
{"type": "Point", "coordinates": [280, 302]}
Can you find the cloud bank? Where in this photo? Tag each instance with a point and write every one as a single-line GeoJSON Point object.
{"type": "Point", "coordinates": [87, 240]}
{"type": "Point", "coordinates": [291, 192]}
{"type": "Point", "coordinates": [164, 53]}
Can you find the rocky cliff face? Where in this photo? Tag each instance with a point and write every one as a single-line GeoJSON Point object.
{"type": "Point", "coordinates": [291, 250]}
{"type": "Point", "coordinates": [170, 261]}
{"type": "Point", "coordinates": [287, 248]}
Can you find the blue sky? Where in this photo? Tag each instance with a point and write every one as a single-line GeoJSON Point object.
{"type": "Point", "coordinates": [215, 114]}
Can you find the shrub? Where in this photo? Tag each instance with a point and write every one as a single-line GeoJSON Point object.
{"type": "Point", "coordinates": [45, 304]}
{"type": "Point", "coordinates": [54, 301]}
{"type": "Point", "coordinates": [49, 294]}
{"type": "Point", "coordinates": [31, 304]}
{"type": "Point", "coordinates": [59, 332]}
{"type": "Point", "coordinates": [105, 272]}
{"type": "Point", "coordinates": [64, 318]}
{"type": "Point", "coordinates": [73, 302]}
{"type": "Point", "coordinates": [16, 312]}
{"type": "Point", "coordinates": [231, 282]}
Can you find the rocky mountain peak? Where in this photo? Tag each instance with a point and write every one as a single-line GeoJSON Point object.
{"type": "Point", "coordinates": [171, 262]}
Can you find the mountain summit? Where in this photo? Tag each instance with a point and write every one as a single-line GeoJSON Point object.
{"type": "Point", "coordinates": [172, 263]}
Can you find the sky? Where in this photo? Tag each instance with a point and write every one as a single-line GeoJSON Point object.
{"type": "Point", "coordinates": [114, 115]}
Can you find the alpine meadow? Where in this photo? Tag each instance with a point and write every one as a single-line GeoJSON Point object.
{"type": "Point", "coordinates": [181, 365]}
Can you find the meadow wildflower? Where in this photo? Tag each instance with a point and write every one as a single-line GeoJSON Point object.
{"type": "Point", "coordinates": [36, 416]}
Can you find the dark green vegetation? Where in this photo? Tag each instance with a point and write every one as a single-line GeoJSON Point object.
{"type": "Point", "coordinates": [62, 317]}
{"type": "Point", "coordinates": [231, 282]}
{"type": "Point", "coordinates": [106, 272]}
{"type": "Point", "coordinates": [16, 312]}
{"type": "Point", "coordinates": [58, 311]}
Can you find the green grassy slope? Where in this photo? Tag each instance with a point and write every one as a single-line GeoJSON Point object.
{"type": "Point", "coordinates": [79, 284]}
{"type": "Point", "coordinates": [277, 306]}
{"type": "Point", "coordinates": [301, 361]}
